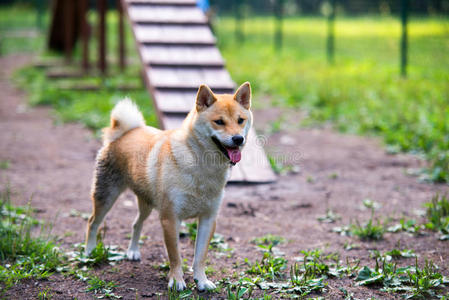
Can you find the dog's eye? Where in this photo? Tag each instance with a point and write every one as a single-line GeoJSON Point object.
{"type": "Point", "coordinates": [240, 120]}
{"type": "Point", "coordinates": [219, 122]}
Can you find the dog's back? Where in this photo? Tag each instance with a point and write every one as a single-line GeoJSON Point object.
{"type": "Point", "coordinates": [127, 144]}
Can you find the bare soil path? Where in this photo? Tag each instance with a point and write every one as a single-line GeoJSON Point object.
{"type": "Point", "coordinates": [52, 164]}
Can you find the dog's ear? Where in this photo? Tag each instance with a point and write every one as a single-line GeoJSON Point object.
{"type": "Point", "coordinates": [243, 95]}
{"type": "Point", "coordinates": [204, 98]}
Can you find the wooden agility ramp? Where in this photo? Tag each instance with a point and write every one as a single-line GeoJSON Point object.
{"type": "Point", "coordinates": [179, 53]}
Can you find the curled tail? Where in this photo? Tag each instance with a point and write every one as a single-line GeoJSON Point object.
{"type": "Point", "coordinates": [124, 117]}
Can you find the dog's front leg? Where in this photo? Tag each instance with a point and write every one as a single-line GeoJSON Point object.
{"type": "Point", "coordinates": [170, 226]}
{"type": "Point", "coordinates": [206, 229]}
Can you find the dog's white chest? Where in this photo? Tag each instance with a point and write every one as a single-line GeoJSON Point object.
{"type": "Point", "coordinates": [201, 197]}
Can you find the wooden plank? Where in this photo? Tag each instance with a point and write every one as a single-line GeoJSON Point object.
{"type": "Point", "coordinates": [172, 22]}
{"type": "Point", "coordinates": [164, 2]}
{"type": "Point", "coordinates": [181, 55]}
{"type": "Point", "coordinates": [167, 14]}
{"type": "Point", "coordinates": [64, 74]}
{"type": "Point", "coordinates": [172, 121]}
{"type": "Point", "coordinates": [175, 101]}
{"type": "Point", "coordinates": [237, 174]}
{"type": "Point", "coordinates": [175, 43]}
{"type": "Point", "coordinates": [254, 163]}
{"type": "Point", "coordinates": [189, 78]}
{"type": "Point", "coordinates": [173, 34]}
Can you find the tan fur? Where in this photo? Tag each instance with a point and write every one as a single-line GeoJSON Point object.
{"type": "Point", "coordinates": [181, 173]}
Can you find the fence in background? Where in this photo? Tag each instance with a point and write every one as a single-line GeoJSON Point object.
{"type": "Point", "coordinates": [329, 9]}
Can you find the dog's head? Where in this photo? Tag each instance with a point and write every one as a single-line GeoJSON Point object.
{"type": "Point", "coordinates": [225, 119]}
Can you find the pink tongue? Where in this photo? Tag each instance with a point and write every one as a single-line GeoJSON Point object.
{"type": "Point", "coordinates": [234, 154]}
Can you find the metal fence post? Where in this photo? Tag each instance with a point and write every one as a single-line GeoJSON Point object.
{"type": "Point", "coordinates": [331, 33]}
{"type": "Point", "coordinates": [239, 35]}
{"type": "Point", "coordinates": [279, 14]}
{"type": "Point", "coordinates": [404, 37]}
{"type": "Point", "coordinates": [40, 12]}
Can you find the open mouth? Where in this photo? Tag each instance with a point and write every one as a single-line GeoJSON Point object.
{"type": "Point", "coordinates": [232, 153]}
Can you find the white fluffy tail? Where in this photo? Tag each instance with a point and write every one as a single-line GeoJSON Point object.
{"type": "Point", "coordinates": [124, 117]}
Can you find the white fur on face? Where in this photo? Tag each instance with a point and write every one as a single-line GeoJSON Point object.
{"type": "Point", "coordinates": [204, 127]}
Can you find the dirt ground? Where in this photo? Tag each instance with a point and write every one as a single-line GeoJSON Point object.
{"type": "Point", "coordinates": [51, 165]}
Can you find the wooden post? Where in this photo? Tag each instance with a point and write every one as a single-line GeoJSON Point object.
{"type": "Point", "coordinates": [279, 14]}
{"type": "Point", "coordinates": [331, 33]}
{"type": "Point", "coordinates": [69, 15]}
{"type": "Point", "coordinates": [84, 34]}
{"type": "Point", "coordinates": [239, 36]}
{"type": "Point", "coordinates": [102, 64]}
{"type": "Point", "coordinates": [404, 37]}
{"type": "Point", "coordinates": [121, 32]}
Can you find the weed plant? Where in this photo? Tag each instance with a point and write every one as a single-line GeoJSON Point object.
{"type": "Point", "coordinates": [24, 251]}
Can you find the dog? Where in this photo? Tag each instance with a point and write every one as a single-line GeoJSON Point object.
{"type": "Point", "coordinates": [181, 173]}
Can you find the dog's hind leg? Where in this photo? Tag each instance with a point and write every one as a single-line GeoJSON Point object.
{"type": "Point", "coordinates": [133, 252]}
{"type": "Point", "coordinates": [108, 185]}
{"type": "Point", "coordinates": [101, 208]}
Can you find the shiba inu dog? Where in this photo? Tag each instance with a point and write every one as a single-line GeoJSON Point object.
{"type": "Point", "coordinates": [181, 173]}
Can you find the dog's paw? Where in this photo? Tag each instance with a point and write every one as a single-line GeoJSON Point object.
{"type": "Point", "coordinates": [133, 254]}
{"type": "Point", "coordinates": [180, 284]}
{"type": "Point", "coordinates": [205, 284]}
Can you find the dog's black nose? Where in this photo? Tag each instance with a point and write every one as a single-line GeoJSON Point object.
{"type": "Point", "coordinates": [238, 139]}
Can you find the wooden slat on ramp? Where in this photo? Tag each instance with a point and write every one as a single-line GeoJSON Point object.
{"type": "Point", "coordinates": [167, 15]}
{"type": "Point", "coordinates": [179, 53]}
{"type": "Point", "coordinates": [164, 2]}
{"type": "Point", "coordinates": [181, 56]}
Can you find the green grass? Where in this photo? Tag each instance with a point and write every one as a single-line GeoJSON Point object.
{"type": "Point", "coordinates": [92, 108]}
{"type": "Point", "coordinates": [268, 239]}
{"type": "Point", "coordinates": [18, 32]}
{"type": "Point", "coordinates": [438, 215]}
{"type": "Point", "coordinates": [100, 255]}
{"type": "Point", "coordinates": [414, 281]}
{"type": "Point", "coordinates": [46, 294]}
{"type": "Point", "coordinates": [102, 288]}
{"type": "Point", "coordinates": [4, 164]}
{"type": "Point", "coordinates": [28, 253]}
{"type": "Point", "coordinates": [362, 92]}
{"type": "Point", "coordinates": [23, 252]}
{"type": "Point", "coordinates": [270, 267]}
{"type": "Point", "coordinates": [239, 292]}
{"type": "Point", "coordinates": [373, 229]}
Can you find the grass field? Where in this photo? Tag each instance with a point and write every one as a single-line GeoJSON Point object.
{"type": "Point", "coordinates": [362, 92]}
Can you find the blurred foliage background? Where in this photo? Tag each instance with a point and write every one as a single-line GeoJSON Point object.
{"type": "Point", "coordinates": [360, 92]}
